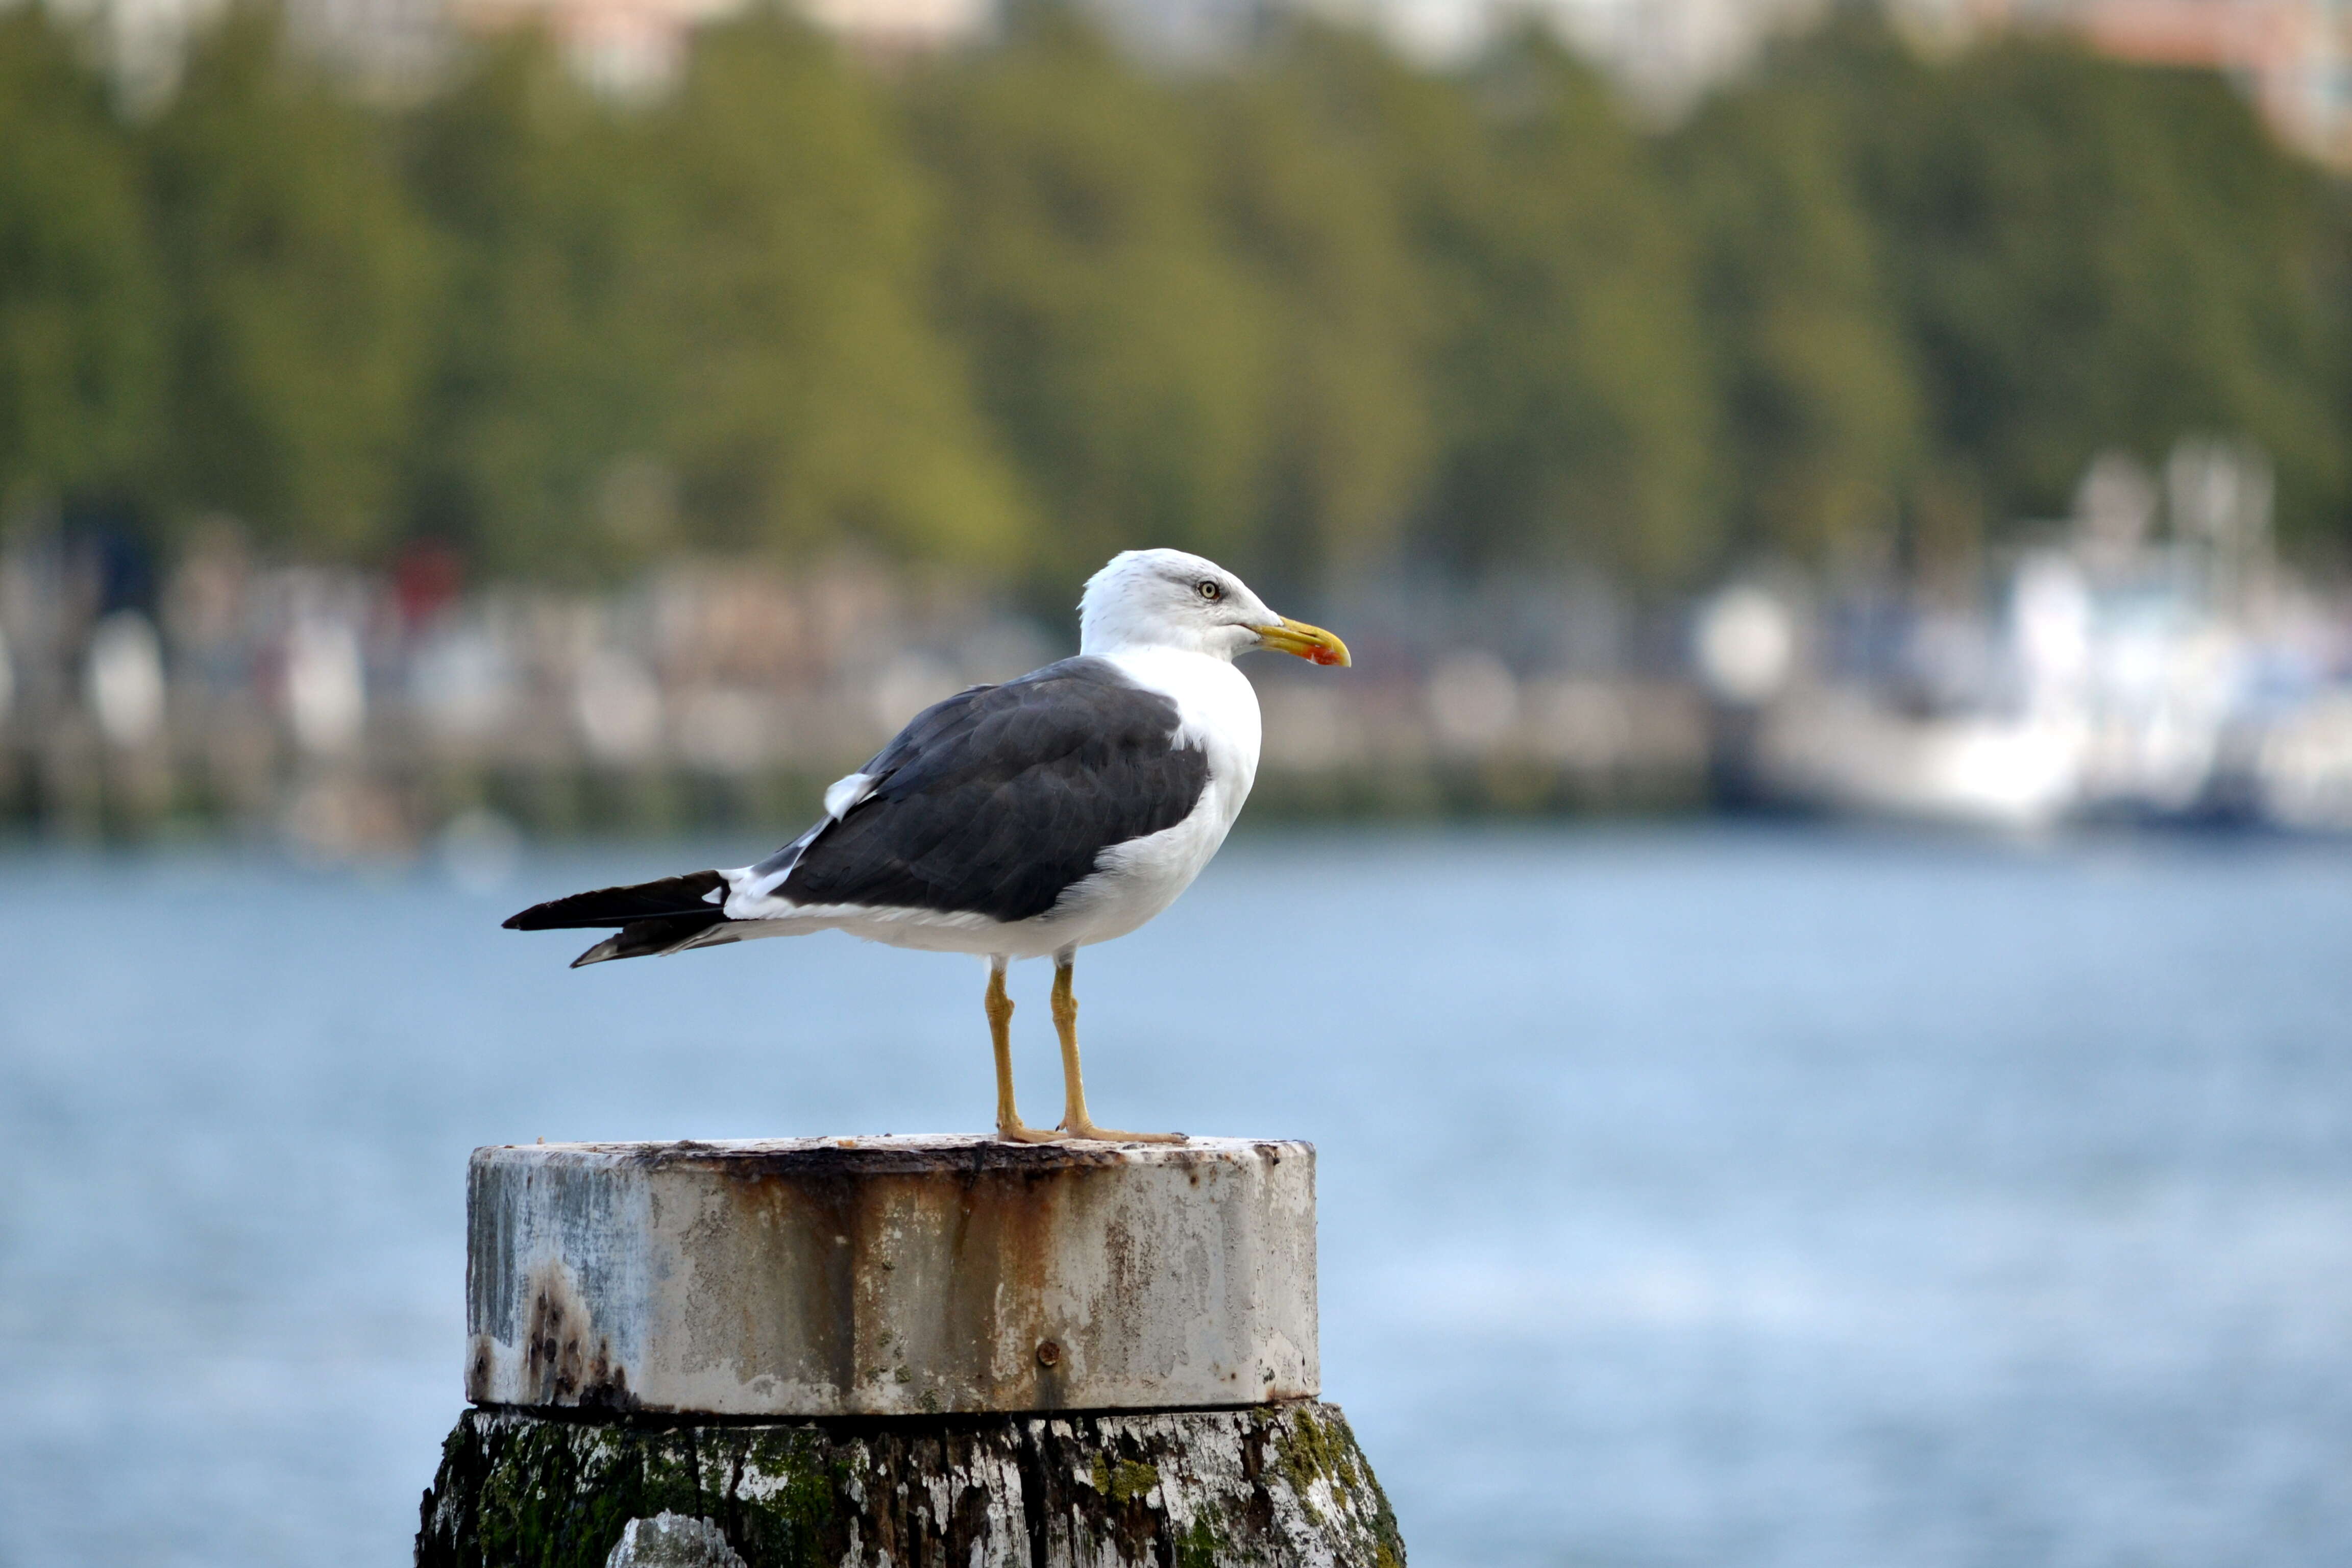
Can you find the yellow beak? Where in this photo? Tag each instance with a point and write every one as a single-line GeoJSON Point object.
{"type": "Point", "coordinates": [1311, 643]}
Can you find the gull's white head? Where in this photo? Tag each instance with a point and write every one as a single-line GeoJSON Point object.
{"type": "Point", "coordinates": [1168, 598]}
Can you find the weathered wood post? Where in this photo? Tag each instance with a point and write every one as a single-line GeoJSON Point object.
{"type": "Point", "coordinates": [900, 1351]}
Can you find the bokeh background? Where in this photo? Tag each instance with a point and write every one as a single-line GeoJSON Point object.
{"type": "Point", "coordinates": [1816, 941]}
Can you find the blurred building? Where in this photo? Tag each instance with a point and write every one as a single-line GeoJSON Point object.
{"type": "Point", "coordinates": [2293, 57]}
{"type": "Point", "coordinates": [627, 47]}
{"type": "Point", "coordinates": [631, 47]}
{"type": "Point", "coordinates": [624, 47]}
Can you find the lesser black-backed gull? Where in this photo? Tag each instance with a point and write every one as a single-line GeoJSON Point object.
{"type": "Point", "coordinates": [1066, 808]}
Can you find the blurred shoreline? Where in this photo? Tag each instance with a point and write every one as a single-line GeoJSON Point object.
{"type": "Point", "coordinates": [352, 715]}
{"type": "Point", "coordinates": [2143, 662]}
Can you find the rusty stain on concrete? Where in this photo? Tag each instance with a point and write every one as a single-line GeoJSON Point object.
{"type": "Point", "coordinates": [892, 1276]}
{"type": "Point", "coordinates": [565, 1360]}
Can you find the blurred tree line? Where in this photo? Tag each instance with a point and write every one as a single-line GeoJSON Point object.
{"type": "Point", "coordinates": [1319, 312]}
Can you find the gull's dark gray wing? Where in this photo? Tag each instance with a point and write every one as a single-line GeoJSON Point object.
{"type": "Point", "coordinates": [995, 800]}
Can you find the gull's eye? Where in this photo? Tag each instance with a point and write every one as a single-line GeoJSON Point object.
{"type": "Point", "coordinates": [1211, 589]}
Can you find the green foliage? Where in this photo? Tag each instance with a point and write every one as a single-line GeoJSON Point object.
{"type": "Point", "coordinates": [1557, 339]}
{"type": "Point", "coordinates": [807, 398]}
{"type": "Point", "coordinates": [2092, 255]}
{"type": "Point", "coordinates": [1122, 351]}
{"type": "Point", "coordinates": [301, 281]}
{"type": "Point", "coordinates": [1821, 418]}
{"type": "Point", "coordinates": [1954, 282]}
{"type": "Point", "coordinates": [1581, 374]}
{"type": "Point", "coordinates": [1347, 433]}
{"type": "Point", "coordinates": [545, 407]}
{"type": "Point", "coordinates": [79, 295]}
{"type": "Point", "coordinates": [698, 323]}
{"type": "Point", "coordinates": [1019, 307]}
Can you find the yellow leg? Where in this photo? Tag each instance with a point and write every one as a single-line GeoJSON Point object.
{"type": "Point", "coordinates": [1076, 1122]}
{"type": "Point", "coordinates": [1000, 1029]}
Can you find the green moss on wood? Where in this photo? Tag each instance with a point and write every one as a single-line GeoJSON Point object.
{"type": "Point", "coordinates": [1271, 1486]}
{"type": "Point", "coordinates": [781, 1502]}
{"type": "Point", "coordinates": [1132, 1479]}
{"type": "Point", "coordinates": [1205, 1543]}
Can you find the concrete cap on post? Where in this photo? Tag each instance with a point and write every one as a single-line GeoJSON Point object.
{"type": "Point", "coordinates": [891, 1276]}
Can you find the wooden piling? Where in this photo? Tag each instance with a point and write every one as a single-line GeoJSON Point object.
{"type": "Point", "coordinates": [901, 1351]}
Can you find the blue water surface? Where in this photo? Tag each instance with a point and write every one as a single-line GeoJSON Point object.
{"type": "Point", "coordinates": [1691, 1196]}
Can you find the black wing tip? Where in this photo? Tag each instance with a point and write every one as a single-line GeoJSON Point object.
{"type": "Point", "coordinates": [655, 938]}
{"type": "Point", "coordinates": [680, 895]}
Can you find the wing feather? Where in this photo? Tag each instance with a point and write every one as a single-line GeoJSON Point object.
{"type": "Point", "coordinates": [1000, 797]}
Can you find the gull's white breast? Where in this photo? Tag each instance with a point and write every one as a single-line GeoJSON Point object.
{"type": "Point", "coordinates": [1217, 709]}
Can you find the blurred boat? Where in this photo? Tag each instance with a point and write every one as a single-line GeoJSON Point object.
{"type": "Point", "coordinates": [2186, 678]}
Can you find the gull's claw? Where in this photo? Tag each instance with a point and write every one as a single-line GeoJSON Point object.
{"type": "Point", "coordinates": [1089, 1131]}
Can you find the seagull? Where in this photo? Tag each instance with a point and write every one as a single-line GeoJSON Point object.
{"type": "Point", "coordinates": [1059, 809]}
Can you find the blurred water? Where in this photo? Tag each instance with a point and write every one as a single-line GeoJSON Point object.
{"type": "Point", "coordinates": [1690, 1195]}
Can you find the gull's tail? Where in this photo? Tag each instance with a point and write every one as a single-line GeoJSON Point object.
{"type": "Point", "coordinates": [655, 918]}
